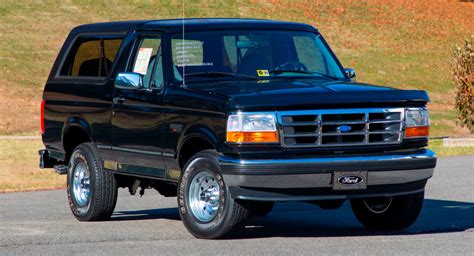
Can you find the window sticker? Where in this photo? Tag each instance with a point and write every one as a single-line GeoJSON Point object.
{"type": "Point", "coordinates": [189, 53]}
{"type": "Point", "coordinates": [263, 72]}
{"type": "Point", "coordinates": [142, 61]}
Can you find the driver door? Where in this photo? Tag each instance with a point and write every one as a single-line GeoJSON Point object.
{"type": "Point", "coordinates": [136, 114]}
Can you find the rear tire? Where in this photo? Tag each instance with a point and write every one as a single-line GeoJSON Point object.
{"type": "Point", "coordinates": [205, 205]}
{"type": "Point", "coordinates": [92, 191]}
{"type": "Point", "coordinates": [388, 213]}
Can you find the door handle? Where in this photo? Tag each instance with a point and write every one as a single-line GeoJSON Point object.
{"type": "Point", "coordinates": [118, 100]}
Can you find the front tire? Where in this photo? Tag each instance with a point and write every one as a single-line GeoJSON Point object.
{"type": "Point", "coordinates": [92, 191]}
{"type": "Point", "coordinates": [388, 213]}
{"type": "Point", "coordinates": [205, 205]}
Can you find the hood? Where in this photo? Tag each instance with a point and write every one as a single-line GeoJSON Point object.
{"type": "Point", "coordinates": [295, 94]}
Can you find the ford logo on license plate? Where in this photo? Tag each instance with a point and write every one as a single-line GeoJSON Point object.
{"type": "Point", "coordinates": [350, 179]}
{"type": "Point", "coordinates": [342, 180]}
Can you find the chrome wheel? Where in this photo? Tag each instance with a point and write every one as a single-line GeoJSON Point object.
{"type": "Point", "coordinates": [204, 196]}
{"type": "Point", "coordinates": [81, 183]}
{"type": "Point", "coordinates": [378, 204]}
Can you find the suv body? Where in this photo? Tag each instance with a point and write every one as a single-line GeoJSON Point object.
{"type": "Point", "coordinates": [230, 117]}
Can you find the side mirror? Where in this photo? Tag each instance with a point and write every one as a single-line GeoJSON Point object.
{"type": "Point", "coordinates": [350, 73]}
{"type": "Point", "coordinates": [129, 80]}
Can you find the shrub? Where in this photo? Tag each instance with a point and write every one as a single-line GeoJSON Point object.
{"type": "Point", "coordinates": [463, 77]}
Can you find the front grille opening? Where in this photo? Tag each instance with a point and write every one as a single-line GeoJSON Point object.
{"type": "Point", "coordinates": [301, 140]}
{"type": "Point", "coordinates": [334, 128]}
{"type": "Point", "coordinates": [286, 119]}
{"type": "Point", "coordinates": [343, 117]}
{"type": "Point", "coordinates": [290, 130]}
{"type": "Point", "coordinates": [304, 118]}
{"type": "Point", "coordinates": [385, 116]}
{"type": "Point", "coordinates": [383, 137]}
{"type": "Point", "coordinates": [306, 129]}
{"type": "Point", "coordinates": [341, 127]}
{"type": "Point", "coordinates": [342, 139]}
{"type": "Point", "coordinates": [384, 127]}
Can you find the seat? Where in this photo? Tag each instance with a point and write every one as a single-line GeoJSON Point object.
{"type": "Point", "coordinates": [91, 68]}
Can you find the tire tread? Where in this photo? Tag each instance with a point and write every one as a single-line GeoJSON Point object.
{"type": "Point", "coordinates": [104, 195]}
{"type": "Point", "coordinates": [234, 224]}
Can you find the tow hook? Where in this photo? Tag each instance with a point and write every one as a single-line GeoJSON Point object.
{"type": "Point", "coordinates": [61, 169]}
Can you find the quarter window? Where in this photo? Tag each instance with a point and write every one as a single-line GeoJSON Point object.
{"type": "Point", "coordinates": [91, 57]}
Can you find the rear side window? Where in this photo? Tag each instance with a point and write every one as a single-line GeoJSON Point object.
{"type": "Point", "coordinates": [91, 57]}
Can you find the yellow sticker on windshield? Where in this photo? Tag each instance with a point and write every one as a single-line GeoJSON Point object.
{"type": "Point", "coordinates": [263, 72]}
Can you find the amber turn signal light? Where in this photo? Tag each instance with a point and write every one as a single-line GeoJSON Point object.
{"type": "Point", "coordinates": [417, 131]}
{"type": "Point", "coordinates": [250, 137]}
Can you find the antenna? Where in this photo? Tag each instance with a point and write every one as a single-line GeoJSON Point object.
{"type": "Point", "coordinates": [183, 50]}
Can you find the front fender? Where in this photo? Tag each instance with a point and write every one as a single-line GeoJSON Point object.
{"type": "Point", "coordinates": [199, 131]}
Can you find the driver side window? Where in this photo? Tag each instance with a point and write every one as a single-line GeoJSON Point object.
{"type": "Point", "coordinates": [148, 62]}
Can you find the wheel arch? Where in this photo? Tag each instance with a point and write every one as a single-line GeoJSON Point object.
{"type": "Point", "coordinates": [75, 132]}
{"type": "Point", "coordinates": [196, 139]}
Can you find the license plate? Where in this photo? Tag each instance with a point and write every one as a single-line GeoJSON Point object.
{"type": "Point", "coordinates": [342, 180]}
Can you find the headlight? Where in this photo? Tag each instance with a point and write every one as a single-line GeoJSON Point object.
{"type": "Point", "coordinates": [417, 123]}
{"type": "Point", "coordinates": [252, 128]}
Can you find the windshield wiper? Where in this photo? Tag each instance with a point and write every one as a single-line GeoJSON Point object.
{"type": "Point", "coordinates": [303, 72]}
{"type": "Point", "coordinates": [279, 71]}
{"type": "Point", "coordinates": [219, 74]}
{"type": "Point", "coordinates": [327, 76]}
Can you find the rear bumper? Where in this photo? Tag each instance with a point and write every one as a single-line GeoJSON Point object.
{"type": "Point", "coordinates": [312, 178]}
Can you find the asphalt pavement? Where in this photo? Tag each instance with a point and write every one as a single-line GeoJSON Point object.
{"type": "Point", "coordinates": [40, 223]}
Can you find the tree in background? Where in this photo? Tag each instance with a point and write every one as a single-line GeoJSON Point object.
{"type": "Point", "coordinates": [463, 76]}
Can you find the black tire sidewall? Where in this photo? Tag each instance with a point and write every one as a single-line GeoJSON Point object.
{"type": "Point", "coordinates": [402, 213]}
{"type": "Point", "coordinates": [80, 155]}
{"type": "Point", "coordinates": [194, 225]}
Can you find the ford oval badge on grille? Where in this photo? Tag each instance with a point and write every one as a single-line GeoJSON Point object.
{"type": "Point", "coordinates": [350, 179]}
{"type": "Point", "coordinates": [343, 129]}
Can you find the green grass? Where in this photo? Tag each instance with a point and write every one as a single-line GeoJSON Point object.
{"type": "Point", "coordinates": [437, 146]}
{"type": "Point", "coordinates": [405, 44]}
{"type": "Point", "coordinates": [19, 169]}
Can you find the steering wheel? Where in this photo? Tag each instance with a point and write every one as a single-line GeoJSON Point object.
{"type": "Point", "coordinates": [292, 65]}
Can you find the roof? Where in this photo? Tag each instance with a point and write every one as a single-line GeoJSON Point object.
{"type": "Point", "coordinates": [192, 24]}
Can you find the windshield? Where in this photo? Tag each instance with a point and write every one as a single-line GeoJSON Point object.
{"type": "Point", "coordinates": [255, 54]}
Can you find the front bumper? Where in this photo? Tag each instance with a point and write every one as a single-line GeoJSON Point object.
{"type": "Point", "coordinates": [311, 178]}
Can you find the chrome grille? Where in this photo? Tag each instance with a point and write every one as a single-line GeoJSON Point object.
{"type": "Point", "coordinates": [340, 127]}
